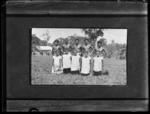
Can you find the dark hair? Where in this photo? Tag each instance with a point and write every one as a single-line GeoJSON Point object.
{"type": "Point", "coordinates": [56, 41]}
{"type": "Point", "coordinates": [86, 39]}
{"type": "Point", "coordinates": [99, 42]}
{"type": "Point", "coordinates": [66, 40]}
{"type": "Point", "coordinates": [82, 49]}
{"type": "Point", "coordinates": [76, 39]}
{"type": "Point", "coordinates": [60, 50]}
{"type": "Point", "coordinates": [90, 47]}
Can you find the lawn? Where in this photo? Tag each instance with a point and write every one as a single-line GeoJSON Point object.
{"type": "Point", "coordinates": [41, 74]}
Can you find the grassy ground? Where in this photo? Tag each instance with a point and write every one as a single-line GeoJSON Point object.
{"type": "Point", "coordinates": [41, 74]}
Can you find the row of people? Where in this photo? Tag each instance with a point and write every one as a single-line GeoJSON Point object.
{"type": "Point", "coordinates": [78, 47]}
{"type": "Point", "coordinates": [75, 62]}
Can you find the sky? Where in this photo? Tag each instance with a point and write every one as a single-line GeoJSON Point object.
{"type": "Point", "coordinates": [118, 35]}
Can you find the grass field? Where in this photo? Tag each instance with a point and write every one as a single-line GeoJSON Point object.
{"type": "Point", "coordinates": [41, 74]}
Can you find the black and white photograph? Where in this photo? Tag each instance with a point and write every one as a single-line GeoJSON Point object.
{"type": "Point", "coordinates": [78, 56]}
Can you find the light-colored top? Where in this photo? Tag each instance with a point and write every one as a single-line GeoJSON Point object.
{"type": "Point", "coordinates": [97, 63]}
{"type": "Point", "coordinates": [66, 60]}
{"type": "Point", "coordinates": [75, 63]}
{"type": "Point", "coordinates": [85, 66]}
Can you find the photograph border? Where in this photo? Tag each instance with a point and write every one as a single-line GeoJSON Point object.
{"type": "Point", "coordinates": [81, 85]}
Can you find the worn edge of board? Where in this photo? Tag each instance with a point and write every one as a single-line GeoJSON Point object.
{"type": "Point", "coordinates": [75, 8]}
{"type": "Point", "coordinates": [14, 8]}
{"type": "Point", "coordinates": [75, 105]}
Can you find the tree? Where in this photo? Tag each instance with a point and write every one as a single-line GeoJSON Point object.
{"type": "Point", "coordinates": [103, 41]}
{"type": "Point", "coordinates": [35, 40]}
{"type": "Point", "coordinates": [93, 33]}
{"type": "Point", "coordinates": [116, 50]}
{"type": "Point", "coordinates": [46, 37]}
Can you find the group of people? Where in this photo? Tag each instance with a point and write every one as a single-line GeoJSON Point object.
{"type": "Point", "coordinates": [78, 59]}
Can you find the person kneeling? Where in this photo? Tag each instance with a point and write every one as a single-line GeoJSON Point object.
{"type": "Point", "coordinates": [66, 58]}
{"type": "Point", "coordinates": [98, 61]}
{"type": "Point", "coordinates": [75, 62]}
{"type": "Point", "coordinates": [85, 64]}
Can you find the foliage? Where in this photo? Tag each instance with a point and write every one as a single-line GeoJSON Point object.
{"type": "Point", "coordinates": [116, 50]}
{"type": "Point", "coordinates": [37, 42]}
{"type": "Point", "coordinates": [93, 33]}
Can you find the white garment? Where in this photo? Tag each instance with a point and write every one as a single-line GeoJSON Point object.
{"type": "Point", "coordinates": [85, 67]}
{"type": "Point", "coordinates": [56, 63]}
{"type": "Point", "coordinates": [67, 60]}
{"type": "Point", "coordinates": [57, 60]}
{"type": "Point", "coordinates": [97, 63]}
{"type": "Point", "coordinates": [75, 63]}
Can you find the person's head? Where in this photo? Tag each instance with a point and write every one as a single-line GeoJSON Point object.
{"type": "Point", "coordinates": [56, 42]}
{"type": "Point", "coordinates": [99, 44]}
{"type": "Point", "coordinates": [82, 50]}
{"type": "Point", "coordinates": [90, 49]}
{"type": "Point", "coordinates": [66, 41]}
{"type": "Point", "coordinates": [76, 41]}
{"type": "Point", "coordinates": [86, 41]}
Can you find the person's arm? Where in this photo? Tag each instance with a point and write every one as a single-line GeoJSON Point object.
{"type": "Point", "coordinates": [96, 45]}
{"type": "Point", "coordinates": [52, 51]}
{"type": "Point", "coordinates": [59, 63]}
{"type": "Point", "coordinates": [80, 63]}
{"type": "Point", "coordinates": [103, 52]}
{"type": "Point", "coordinates": [102, 65]}
{"type": "Point", "coordinates": [91, 67]}
{"type": "Point", "coordinates": [53, 67]}
{"type": "Point", "coordinates": [71, 59]}
{"type": "Point", "coordinates": [62, 61]}
{"type": "Point", "coordinates": [52, 61]}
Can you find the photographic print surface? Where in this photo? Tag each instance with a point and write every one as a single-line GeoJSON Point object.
{"type": "Point", "coordinates": [78, 56]}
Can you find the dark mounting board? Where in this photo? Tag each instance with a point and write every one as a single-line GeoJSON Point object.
{"type": "Point", "coordinates": [83, 9]}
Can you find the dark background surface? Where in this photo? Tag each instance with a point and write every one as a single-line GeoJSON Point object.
{"type": "Point", "coordinates": [22, 15]}
{"type": "Point", "coordinates": [19, 47]}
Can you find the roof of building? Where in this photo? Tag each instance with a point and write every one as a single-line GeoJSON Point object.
{"type": "Point", "coordinates": [42, 48]}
